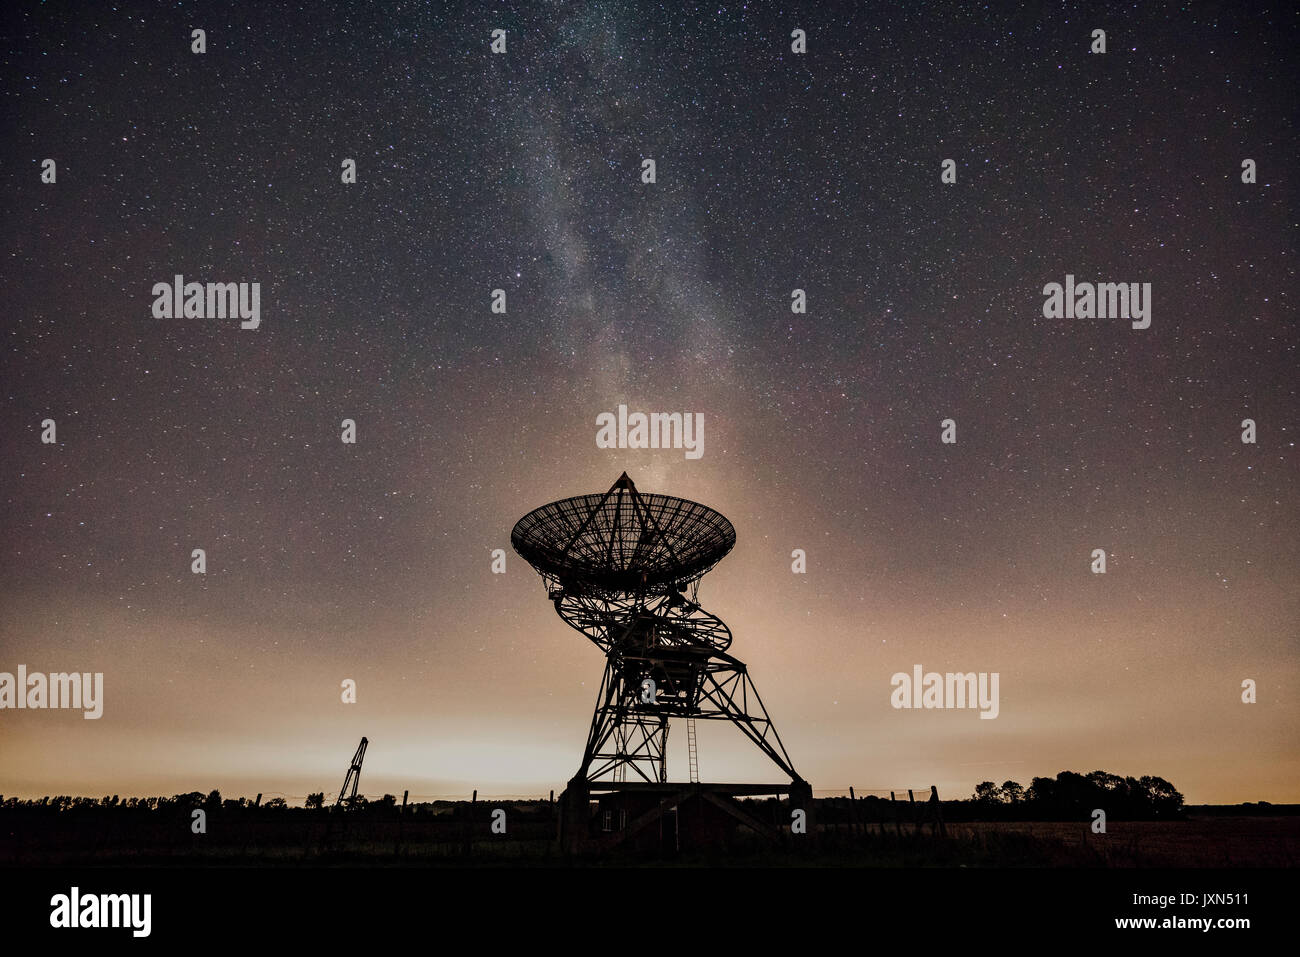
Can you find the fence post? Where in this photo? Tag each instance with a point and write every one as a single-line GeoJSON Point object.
{"type": "Point", "coordinates": [938, 811]}
{"type": "Point", "coordinates": [469, 825]}
{"type": "Point", "coordinates": [401, 816]}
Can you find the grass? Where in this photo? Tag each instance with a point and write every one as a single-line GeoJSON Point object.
{"type": "Point", "coordinates": [1197, 842]}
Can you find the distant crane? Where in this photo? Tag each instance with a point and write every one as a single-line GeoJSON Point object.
{"type": "Point", "coordinates": [354, 774]}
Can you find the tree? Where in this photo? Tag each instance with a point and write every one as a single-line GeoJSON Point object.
{"type": "Point", "coordinates": [316, 800]}
{"type": "Point", "coordinates": [1012, 792]}
{"type": "Point", "coordinates": [277, 802]}
{"type": "Point", "coordinates": [1041, 791]}
{"type": "Point", "coordinates": [1115, 790]}
{"type": "Point", "coordinates": [986, 792]}
{"type": "Point", "coordinates": [1073, 794]}
{"type": "Point", "coordinates": [1164, 798]}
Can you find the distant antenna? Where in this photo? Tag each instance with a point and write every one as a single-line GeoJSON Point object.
{"type": "Point", "coordinates": [354, 774]}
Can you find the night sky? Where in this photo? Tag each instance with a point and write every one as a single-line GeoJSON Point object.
{"type": "Point", "coordinates": [775, 171]}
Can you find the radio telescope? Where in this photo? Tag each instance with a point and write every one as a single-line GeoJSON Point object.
{"type": "Point", "coordinates": [624, 569]}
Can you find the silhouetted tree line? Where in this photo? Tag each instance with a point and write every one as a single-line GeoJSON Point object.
{"type": "Point", "coordinates": [180, 802]}
{"type": "Point", "coordinates": [1072, 796]}
{"type": "Point", "coordinates": [212, 802]}
{"type": "Point", "coordinates": [1067, 797]}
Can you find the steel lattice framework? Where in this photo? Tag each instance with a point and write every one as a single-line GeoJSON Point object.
{"type": "Point", "coordinates": [618, 567]}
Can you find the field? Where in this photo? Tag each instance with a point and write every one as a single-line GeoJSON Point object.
{"type": "Point", "coordinates": [301, 839]}
{"type": "Point", "coordinates": [1196, 842]}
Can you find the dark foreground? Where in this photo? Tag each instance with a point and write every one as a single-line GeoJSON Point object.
{"type": "Point", "coordinates": [299, 841]}
{"type": "Point", "coordinates": [322, 878]}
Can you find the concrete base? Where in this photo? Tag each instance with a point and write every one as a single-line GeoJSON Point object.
{"type": "Point", "coordinates": [670, 816]}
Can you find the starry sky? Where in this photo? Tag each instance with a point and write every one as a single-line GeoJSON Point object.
{"type": "Point", "coordinates": [774, 171]}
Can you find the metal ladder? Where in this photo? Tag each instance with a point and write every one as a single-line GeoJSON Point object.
{"type": "Point", "coordinates": [692, 751]}
{"type": "Point", "coordinates": [620, 750]}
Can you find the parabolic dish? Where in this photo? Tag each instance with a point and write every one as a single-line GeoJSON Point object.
{"type": "Point", "coordinates": [623, 541]}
